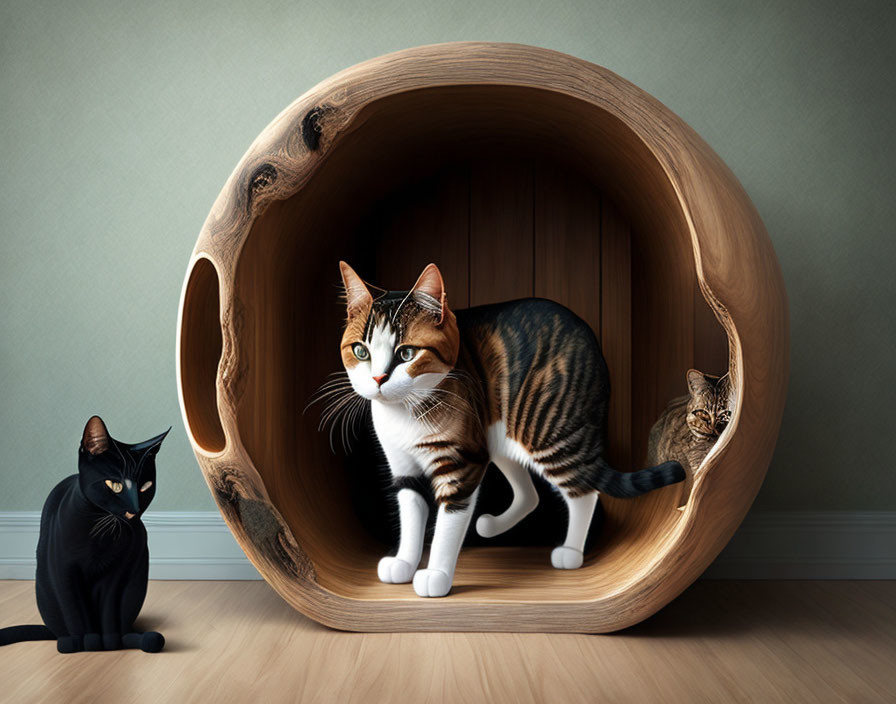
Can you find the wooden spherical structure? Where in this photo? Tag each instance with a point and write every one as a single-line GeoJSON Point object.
{"type": "Point", "coordinates": [520, 171]}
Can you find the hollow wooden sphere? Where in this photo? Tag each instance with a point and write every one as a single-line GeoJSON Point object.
{"type": "Point", "coordinates": [520, 171]}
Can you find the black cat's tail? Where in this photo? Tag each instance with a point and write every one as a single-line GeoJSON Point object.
{"type": "Point", "coordinates": [625, 485]}
{"type": "Point", "coordinates": [18, 634]}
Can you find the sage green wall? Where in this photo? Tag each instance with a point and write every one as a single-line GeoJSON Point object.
{"type": "Point", "coordinates": [119, 125]}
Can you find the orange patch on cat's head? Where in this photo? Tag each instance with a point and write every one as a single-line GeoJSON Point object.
{"type": "Point", "coordinates": [435, 334]}
{"type": "Point", "coordinates": [439, 342]}
{"type": "Point", "coordinates": [358, 304]}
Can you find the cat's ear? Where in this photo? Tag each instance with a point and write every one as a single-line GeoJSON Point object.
{"type": "Point", "coordinates": [699, 383]}
{"type": "Point", "coordinates": [724, 389]}
{"type": "Point", "coordinates": [357, 296]}
{"type": "Point", "coordinates": [152, 444]}
{"type": "Point", "coordinates": [430, 282]}
{"type": "Point", "coordinates": [95, 439]}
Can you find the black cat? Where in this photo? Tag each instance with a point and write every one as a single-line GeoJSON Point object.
{"type": "Point", "coordinates": [92, 558]}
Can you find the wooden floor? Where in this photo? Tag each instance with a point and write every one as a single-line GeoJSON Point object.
{"type": "Point", "coordinates": [719, 642]}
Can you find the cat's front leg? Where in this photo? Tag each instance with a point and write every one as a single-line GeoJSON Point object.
{"type": "Point", "coordinates": [73, 600]}
{"type": "Point", "coordinates": [452, 521]}
{"type": "Point", "coordinates": [412, 511]}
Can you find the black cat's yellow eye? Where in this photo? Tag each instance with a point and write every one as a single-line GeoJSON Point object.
{"type": "Point", "coordinates": [145, 486]}
{"type": "Point", "coordinates": [406, 354]}
{"type": "Point", "coordinates": [114, 486]}
{"type": "Point", "coordinates": [360, 352]}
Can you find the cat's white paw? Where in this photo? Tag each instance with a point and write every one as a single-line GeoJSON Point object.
{"type": "Point", "coordinates": [487, 526]}
{"type": "Point", "coordinates": [564, 558]}
{"type": "Point", "coordinates": [393, 570]}
{"type": "Point", "coordinates": [431, 583]}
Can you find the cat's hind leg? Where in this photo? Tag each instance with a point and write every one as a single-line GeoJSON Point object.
{"type": "Point", "coordinates": [525, 499]}
{"type": "Point", "coordinates": [570, 555]}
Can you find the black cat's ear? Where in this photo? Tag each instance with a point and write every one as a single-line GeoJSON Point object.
{"type": "Point", "coordinates": [430, 282]}
{"type": "Point", "coordinates": [151, 444]}
{"type": "Point", "coordinates": [357, 296]}
{"type": "Point", "coordinates": [95, 439]}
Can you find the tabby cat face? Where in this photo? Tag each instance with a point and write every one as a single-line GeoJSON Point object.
{"type": "Point", "coordinates": [711, 404]}
{"type": "Point", "coordinates": [117, 477]}
{"type": "Point", "coordinates": [398, 345]}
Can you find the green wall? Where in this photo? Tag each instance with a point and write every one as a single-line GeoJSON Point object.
{"type": "Point", "coordinates": [119, 126]}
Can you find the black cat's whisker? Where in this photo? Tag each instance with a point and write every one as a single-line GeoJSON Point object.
{"type": "Point", "coordinates": [97, 524]}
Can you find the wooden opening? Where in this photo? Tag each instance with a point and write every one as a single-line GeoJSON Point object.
{"type": "Point", "coordinates": [200, 351]}
{"type": "Point", "coordinates": [514, 192]}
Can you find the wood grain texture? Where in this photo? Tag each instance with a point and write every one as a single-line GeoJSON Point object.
{"type": "Point", "coordinates": [426, 221]}
{"type": "Point", "coordinates": [501, 231]}
{"type": "Point", "coordinates": [616, 330]}
{"type": "Point", "coordinates": [720, 641]}
{"type": "Point", "coordinates": [293, 207]}
{"type": "Point", "coordinates": [568, 241]}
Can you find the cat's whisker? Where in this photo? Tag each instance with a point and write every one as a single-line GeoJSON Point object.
{"type": "Point", "coordinates": [323, 394]}
{"type": "Point", "coordinates": [333, 410]}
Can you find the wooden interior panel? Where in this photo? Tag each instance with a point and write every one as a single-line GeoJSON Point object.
{"type": "Point", "coordinates": [425, 220]}
{"type": "Point", "coordinates": [501, 230]}
{"type": "Point", "coordinates": [616, 330]}
{"type": "Point", "coordinates": [567, 241]}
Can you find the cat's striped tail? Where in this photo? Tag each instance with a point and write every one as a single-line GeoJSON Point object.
{"type": "Point", "coordinates": [18, 634]}
{"type": "Point", "coordinates": [625, 485]}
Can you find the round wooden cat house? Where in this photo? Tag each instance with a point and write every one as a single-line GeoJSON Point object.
{"type": "Point", "coordinates": [521, 171]}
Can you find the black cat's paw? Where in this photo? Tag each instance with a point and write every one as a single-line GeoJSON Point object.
{"type": "Point", "coordinates": [69, 644]}
{"type": "Point", "coordinates": [152, 642]}
{"type": "Point", "coordinates": [111, 641]}
{"type": "Point", "coordinates": [93, 642]}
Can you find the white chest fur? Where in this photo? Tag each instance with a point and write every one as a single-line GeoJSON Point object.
{"type": "Point", "coordinates": [399, 432]}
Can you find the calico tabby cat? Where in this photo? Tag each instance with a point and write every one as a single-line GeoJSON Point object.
{"type": "Point", "coordinates": [92, 559]}
{"type": "Point", "coordinates": [690, 425]}
{"type": "Point", "coordinates": [521, 384]}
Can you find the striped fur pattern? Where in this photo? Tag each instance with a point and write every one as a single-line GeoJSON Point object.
{"type": "Point", "coordinates": [691, 424]}
{"type": "Point", "coordinates": [521, 384]}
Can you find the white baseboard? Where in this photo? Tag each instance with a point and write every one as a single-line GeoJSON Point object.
{"type": "Point", "coordinates": [182, 545]}
{"type": "Point", "coordinates": [796, 545]}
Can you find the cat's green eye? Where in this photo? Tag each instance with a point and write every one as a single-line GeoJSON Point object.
{"type": "Point", "coordinates": [114, 486]}
{"type": "Point", "coordinates": [360, 352]}
{"type": "Point", "coordinates": [146, 486]}
{"type": "Point", "coordinates": [406, 354]}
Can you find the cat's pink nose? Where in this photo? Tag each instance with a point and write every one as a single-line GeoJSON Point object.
{"type": "Point", "coordinates": [380, 379]}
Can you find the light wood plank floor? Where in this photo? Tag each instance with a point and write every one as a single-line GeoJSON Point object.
{"type": "Point", "coordinates": [720, 641]}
